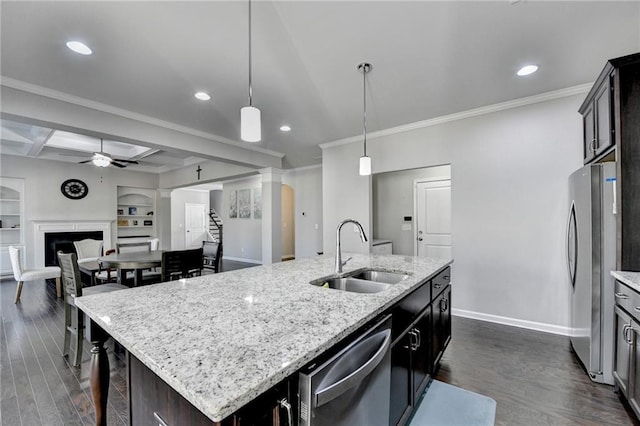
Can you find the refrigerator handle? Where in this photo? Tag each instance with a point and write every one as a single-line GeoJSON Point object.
{"type": "Point", "coordinates": [571, 263]}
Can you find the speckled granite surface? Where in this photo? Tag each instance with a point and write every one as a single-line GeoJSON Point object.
{"type": "Point", "coordinates": [221, 340]}
{"type": "Point", "coordinates": [632, 279]}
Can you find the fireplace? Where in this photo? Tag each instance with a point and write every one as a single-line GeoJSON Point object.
{"type": "Point", "coordinates": [55, 241]}
{"type": "Point", "coordinates": [52, 235]}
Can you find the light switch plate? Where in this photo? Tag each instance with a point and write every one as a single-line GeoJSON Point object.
{"type": "Point", "coordinates": [406, 227]}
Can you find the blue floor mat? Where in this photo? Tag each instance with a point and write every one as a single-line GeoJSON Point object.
{"type": "Point", "coordinates": [447, 405]}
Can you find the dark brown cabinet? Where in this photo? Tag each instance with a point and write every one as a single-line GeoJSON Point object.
{"type": "Point", "coordinates": [626, 364]}
{"type": "Point", "coordinates": [598, 126]}
{"type": "Point", "coordinates": [441, 324]}
{"type": "Point", "coordinates": [416, 351]}
{"type": "Point", "coordinates": [611, 119]}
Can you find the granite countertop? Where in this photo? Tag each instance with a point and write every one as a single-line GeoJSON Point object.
{"type": "Point", "coordinates": [221, 340]}
{"type": "Point", "coordinates": [632, 279]}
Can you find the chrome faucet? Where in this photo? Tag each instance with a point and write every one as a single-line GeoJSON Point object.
{"type": "Point", "coordinates": [363, 237]}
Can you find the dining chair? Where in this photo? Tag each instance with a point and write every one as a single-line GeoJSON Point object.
{"type": "Point", "coordinates": [74, 319]}
{"type": "Point", "coordinates": [21, 275]}
{"type": "Point", "coordinates": [104, 275]}
{"type": "Point", "coordinates": [88, 250]}
{"type": "Point", "coordinates": [133, 247]}
{"type": "Point", "coordinates": [155, 244]}
{"type": "Point", "coordinates": [212, 255]}
{"type": "Point", "coordinates": [179, 264]}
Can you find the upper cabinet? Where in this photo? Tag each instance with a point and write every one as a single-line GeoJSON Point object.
{"type": "Point", "coordinates": [611, 114]}
{"type": "Point", "coordinates": [598, 113]}
{"type": "Point", "coordinates": [136, 214]}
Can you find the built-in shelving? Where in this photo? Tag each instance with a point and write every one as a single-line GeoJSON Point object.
{"type": "Point", "coordinates": [136, 213]}
{"type": "Point", "coordinates": [11, 219]}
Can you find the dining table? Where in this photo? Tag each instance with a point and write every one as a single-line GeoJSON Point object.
{"type": "Point", "coordinates": [132, 261]}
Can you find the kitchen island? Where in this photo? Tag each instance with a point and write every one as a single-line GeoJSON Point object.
{"type": "Point", "coordinates": [222, 340]}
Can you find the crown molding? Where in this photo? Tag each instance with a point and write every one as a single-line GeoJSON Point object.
{"type": "Point", "coordinates": [98, 106]}
{"type": "Point", "coordinates": [516, 103]}
{"type": "Point", "coordinates": [303, 168]}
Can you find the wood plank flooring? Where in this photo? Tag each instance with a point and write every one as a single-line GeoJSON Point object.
{"type": "Point", "coordinates": [534, 377]}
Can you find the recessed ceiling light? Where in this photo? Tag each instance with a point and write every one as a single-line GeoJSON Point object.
{"type": "Point", "coordinates": [79, 47]}
{"type": "Point", "coordinates": [285, 128]}
{"type": "Point", "coordinates": [203, 96]}
{"type": "Point", "coordinates": [527, 69]}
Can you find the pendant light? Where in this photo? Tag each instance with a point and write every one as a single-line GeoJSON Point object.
{"type": "Point", "coordinates": [250, 126]}
{"type": "Point", "coordinates": [365, 160]}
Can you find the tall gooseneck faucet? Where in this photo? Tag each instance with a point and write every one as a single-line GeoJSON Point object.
{"type": "Point", "coordinates": [363, 237]}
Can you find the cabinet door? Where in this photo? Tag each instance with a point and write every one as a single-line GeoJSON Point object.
{"type": "Point", "coordinates": [421, 353]}
{"type": "Point", "coordinates": [602, 103]}
{"type": "Point", "coordinates": [622, 359]}
{"type": "Point", "coordinates": [633, 334]}
{"type": "Point", "coordinates": [401, 388]}
{"type": "Point", "coordinates": [441, 325]}
{"type": "Point", "coordinates": [589, 131]}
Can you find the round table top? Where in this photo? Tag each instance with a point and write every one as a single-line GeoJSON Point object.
{"type": "Point", "coordinates": [133, 260]}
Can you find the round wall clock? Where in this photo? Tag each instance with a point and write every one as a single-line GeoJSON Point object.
{"type": "Point", "coordinates": [74, 189]}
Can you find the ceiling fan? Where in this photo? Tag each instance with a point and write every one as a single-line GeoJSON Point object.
{"type": "Point", "coordinates": [102, 159]}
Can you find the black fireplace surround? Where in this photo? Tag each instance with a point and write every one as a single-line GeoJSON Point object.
{"type": "Point", "coordinates": [55, 241]}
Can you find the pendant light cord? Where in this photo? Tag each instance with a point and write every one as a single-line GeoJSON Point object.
{"type": "Point", "coordinates": [250, 89]}
{"type": "Point", "coordinates": [364, 90]}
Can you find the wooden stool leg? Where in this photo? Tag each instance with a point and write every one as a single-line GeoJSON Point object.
{"type": "Point", "coordinates": [58, 287]}
{"type": "Point", "coordinates": [99, 373]}
{"type": "Point", "coordinates": [18, 291]}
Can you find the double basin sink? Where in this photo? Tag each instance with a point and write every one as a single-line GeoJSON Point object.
{"type": "Point", "coordinates": [363, 281]}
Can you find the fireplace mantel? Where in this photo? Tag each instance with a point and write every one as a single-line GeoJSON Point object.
{"type": "Point", "coordinates": [41, 227]}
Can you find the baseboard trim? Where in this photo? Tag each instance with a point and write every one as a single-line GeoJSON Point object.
{"type": "Point", "coordinates": [241, 259]}
{"type": "Point", "coordinates": [530, 325]}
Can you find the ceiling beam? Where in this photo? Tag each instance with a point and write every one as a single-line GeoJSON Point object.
{"type": "Point", "coordinates": [30, 104]}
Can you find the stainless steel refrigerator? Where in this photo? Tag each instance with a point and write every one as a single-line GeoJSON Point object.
{"type": "Point", "coordinates": [591, 255]}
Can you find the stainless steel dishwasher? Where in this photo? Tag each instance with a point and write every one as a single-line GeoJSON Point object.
{"type": "Point", "coordinates": [352, 387]}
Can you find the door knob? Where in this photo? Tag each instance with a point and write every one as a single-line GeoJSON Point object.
{"type": "Point", "coordinates": [419, 238]}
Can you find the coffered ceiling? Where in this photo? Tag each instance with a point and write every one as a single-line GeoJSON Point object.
{"type": "Point", "coordinates": [429, 59]}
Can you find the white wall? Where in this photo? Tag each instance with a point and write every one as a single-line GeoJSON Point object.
{"type": "Point", "coordinates": [509, 203]}
{"type": "Point", "coordinates": [44, 201]}
{"type": "Point", "coordinates": [307, 185]}
{"type": "Point", "coordinates": [393, 194]}
{"type": "Point", "coordinates": [179, 198]}
{"type": "Point", "coordinates": [242, 237]}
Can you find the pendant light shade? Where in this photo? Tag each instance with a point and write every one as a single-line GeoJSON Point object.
{"type": "Point", "coordinates": [250, 129]}
{"type": "Point", "coordinates": [250, 117]}
{"type": "Point", "coordinates": [365, 165]}
{"type": "Point", "coordinates": [365, 160]}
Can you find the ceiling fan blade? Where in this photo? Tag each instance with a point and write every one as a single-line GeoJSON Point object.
{"type": "Point", "coordinates": [85, 161]}
{"type": "Point", "coordinates": [122, 166]}
{"type": "Point", "coordinates": [125, 161]}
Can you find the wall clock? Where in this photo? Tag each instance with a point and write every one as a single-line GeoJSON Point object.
{"type": "Point", "coordinates": [74, 189]}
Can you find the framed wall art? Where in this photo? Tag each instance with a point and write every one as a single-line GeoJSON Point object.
{"type": "Point", "coordinates": [257, 203]}
{"type": "Point", "coordinates": [244, 203]}
{"type": "Point", "coordinates": [233, 204]}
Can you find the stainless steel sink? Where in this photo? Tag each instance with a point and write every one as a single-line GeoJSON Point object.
{"type": "Point", "coordinates": [380, 276]}
{"type": "Point", "coordinates": [363, 281]}
{"type": "Point", "coordinates": [353, 285]}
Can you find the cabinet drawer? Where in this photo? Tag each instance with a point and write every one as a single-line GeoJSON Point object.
{"type": "Point", "coordinates": [440, 282]}
{"type": "Point", "coordinates": [628, 299]}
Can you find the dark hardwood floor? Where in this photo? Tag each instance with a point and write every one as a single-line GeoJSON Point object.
{"type": "Point", "coordinates": [534, 377]}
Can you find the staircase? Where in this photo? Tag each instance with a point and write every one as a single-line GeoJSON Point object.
{"type": "Point", "coordinates": [215, 226]}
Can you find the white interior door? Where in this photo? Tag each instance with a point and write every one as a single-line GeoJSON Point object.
{"type": "Point", "coordinates": [195, 225]}
{"type": "Point", "coordinates": [433, 219]}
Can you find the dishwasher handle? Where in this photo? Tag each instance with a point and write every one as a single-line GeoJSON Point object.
{"type": "Point", "coordinates": [327, 394]}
